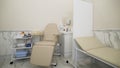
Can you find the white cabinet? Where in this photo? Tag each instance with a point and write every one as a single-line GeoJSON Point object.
{"type": "Point", "coordinates": [22, 48]}
{"type": "Point", "coordinates": [66, 44]}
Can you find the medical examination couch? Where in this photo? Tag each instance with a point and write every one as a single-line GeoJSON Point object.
{"type": "Point", "coordinates": [94, 48]}
{"type": "Point", "coordinates": [42, 52]}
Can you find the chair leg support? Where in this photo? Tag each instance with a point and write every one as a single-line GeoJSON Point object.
{"type": "Point", "coordinates": [57, 54]}
{"type": "Point", "coordinates": [54, 64]}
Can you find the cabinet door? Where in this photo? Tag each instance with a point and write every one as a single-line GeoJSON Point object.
{"type": "Point", "coordinates": [61, 41]}
{"type": "Point", "coordinates": [67, 44]}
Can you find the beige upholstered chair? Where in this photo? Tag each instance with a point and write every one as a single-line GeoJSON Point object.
{"type": "Point", "coordinates": [42, 51]}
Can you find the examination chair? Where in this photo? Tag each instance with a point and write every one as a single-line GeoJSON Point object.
{"type": "Point", "coordinates": [42, 52]}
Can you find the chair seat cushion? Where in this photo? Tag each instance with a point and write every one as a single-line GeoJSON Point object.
{"type": "Point", "coordinates": [41, 43]}
{"type": "Point", "coordinates": [42, 55]}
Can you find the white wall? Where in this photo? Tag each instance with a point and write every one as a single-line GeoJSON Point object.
{"type": "Point", "coordinates": [32, 14]}
{"type": "Point", "coordinates": [106, 14]}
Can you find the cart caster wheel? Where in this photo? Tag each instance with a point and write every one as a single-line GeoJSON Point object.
{"type": "Point", "coordinates": [67, 61]}
{"type": "Point", "coordinates": [55, 65]}
{"type": "Point", "coordinates": [11, 62]}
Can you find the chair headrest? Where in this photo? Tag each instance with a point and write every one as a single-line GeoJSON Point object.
{"type": "Point", "coordinates": [51, 28]}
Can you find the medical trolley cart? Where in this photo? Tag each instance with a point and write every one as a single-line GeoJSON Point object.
{"type": "Point", "coordinates": [22, 48]}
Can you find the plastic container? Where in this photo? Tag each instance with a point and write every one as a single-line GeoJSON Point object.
{"type": "Point", "coordinates": [21, 53]}
{"type": "Point", "coordinates": [28, 45]}
{"type": "Point", "coordinates": [21, 45]}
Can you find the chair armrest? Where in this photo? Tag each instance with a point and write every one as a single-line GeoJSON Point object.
{"type": "Point", "coordinates": [45, 43]}
{"type": "Point", "coordinates": [37, 33]}
{"type": "Point", "coordinates": [56, 34]}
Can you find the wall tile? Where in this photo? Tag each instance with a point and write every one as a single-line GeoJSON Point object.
{"type": "Point", "coordinates": [110, 38]}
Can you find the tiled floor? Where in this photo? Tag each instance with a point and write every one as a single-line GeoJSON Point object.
{"type": "Point", "coordinates": [5, 60]}
{"type": "Point", "coordinates": [26, 64]}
